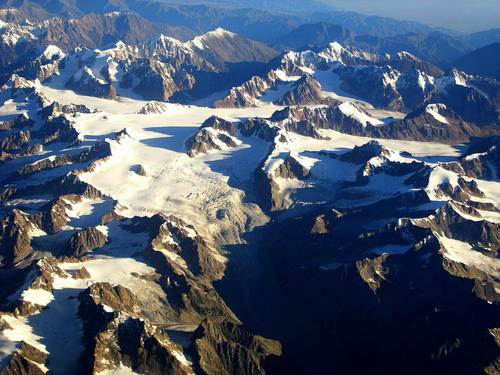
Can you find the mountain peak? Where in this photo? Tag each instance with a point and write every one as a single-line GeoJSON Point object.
{"type": "Point", "coordinates": [218, 33]}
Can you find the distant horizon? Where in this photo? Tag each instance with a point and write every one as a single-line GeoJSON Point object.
{"type": "Point", "coordinates": [460, 15]}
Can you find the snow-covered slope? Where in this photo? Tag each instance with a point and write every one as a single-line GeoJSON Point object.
{"type": "Point", "coordinates": [137, 235]}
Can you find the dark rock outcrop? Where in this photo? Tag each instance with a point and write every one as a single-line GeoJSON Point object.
{"type": "Point", "coordinates": [213, 133]}
{"type": "Point", "coordinates": [86, 83]}
{"type": "Point", "coordinates": [292, 168]}
{"type": "Point", "coordinates": [225, 348]}
{"type": "Point", "coordinates": [306, 91]}
{"type": "Point", "coordinates": [85, 241]}
{"type": "Point", "coordinates": [25, 361]}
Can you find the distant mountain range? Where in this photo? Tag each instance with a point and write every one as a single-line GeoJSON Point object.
{"type": "Point", "coordinates": [285, 24]}
{"type": "Point", "coordinates": [261, 20]}
{"type": "Point", "coordinates": [483, 38]}
{"type": "Point", "coordinates": [479, 61]}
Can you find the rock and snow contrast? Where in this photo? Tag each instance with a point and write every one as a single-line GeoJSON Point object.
{"type": "Point", "coordinates": [338, 212]}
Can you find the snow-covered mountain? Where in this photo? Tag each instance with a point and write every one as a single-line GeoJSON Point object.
{"type": "Point", "coordinates": [399, 82]}
{"type": "Point", "coordinates": [338, 212]}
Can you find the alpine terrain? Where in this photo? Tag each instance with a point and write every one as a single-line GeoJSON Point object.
{"type": "Point", "coordinates": [181, 198]}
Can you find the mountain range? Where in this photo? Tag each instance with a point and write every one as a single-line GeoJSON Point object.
{"type": "Point", "coordinates": [305, 197]}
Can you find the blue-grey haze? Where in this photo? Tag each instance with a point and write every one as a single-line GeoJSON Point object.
{"type": "Point", "coordinates": [461, 15]}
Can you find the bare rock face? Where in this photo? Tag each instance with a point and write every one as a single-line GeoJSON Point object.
{"type": "Point", "coordinates": [372, 271]}
{"type": "Point", "coordinates": [224, 348]}
{"type": "Point", "coordinates": [320, 225]}
{"type": "Point", "coordinates": [449, 222]}
{"type": "Point", "coordinates": [434, 122]}
{"type": "Point", "coordinates": [53, 216]}
{"type": "Point", "coordinates": [306, 91]}
{"type": "Point", "coordinates": [39, 275]}
{"type": "Point", "coordinates": [21, 121]}
{"type": "Point", "coordinates": [373, 83]}
{"type": "Point", "coordinates": [117, 297]}
{"type": "Point", "coordinates": [483, 164]}
{"type": "Point", "coordinates": [220, 124]}
{"type": "Point", "coordinates": [15, 141]}
{"type": "Point", "coordinates": [292, 168]}
{"type": "Point", "coordinates": [141, 171]}
{"type": "Point", "coordinates": [15, 237]}
{"type": "Point", "coordinates": [47, 268]}
{"type": "Point", "coordinates": [58, 129]}
{"type": "Point", "coordinates": [214, 134]}
{"type": "Point", "coordinates": [25, 361]}
{"type": "Point", "coordinates": [156, 81]}
{"type": "Point", "coordinates": [259, 128]}
{"type": "Point", "coordinates": [85, 241]}
{"type": "Point", "coordinates": [153, 107]}
{"type": "Point", "coordinates": [268, 191]}
{"type": "Point", "coordinates": [86, 83]}
{"type": "Point", "coordinates": [415, 88]}
{"type": "Point", "coordinates": [81, 274]}
{"type": "Point", "coordinates": [44, 64]}
{"type": "Point", "coordinates": [474, 106]}
{"type": "Point", "coordinates": [361, 154]}
{"type": "Point", "coordinates": [243, 96]}
{"type": "Point", "coordinates": [114, 335]}
{"type": "Point", "coordinates": [297, 120]}
{"type": "Point", "coordinates": [55, 109]}
{"type": "Point", "coordinates": [99, 150]}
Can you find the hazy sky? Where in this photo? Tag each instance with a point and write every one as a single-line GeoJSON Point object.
{"type": "Point", "coordinates": [462, 15]}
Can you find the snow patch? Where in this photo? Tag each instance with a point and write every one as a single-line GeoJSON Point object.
{"type": "Point", "coordinates": [433, 110]}
{"type": "Point", "coordinates": [120, 370]}
{"type": "Point", "coordinates": [462, 252]}
{"type": "Point", "coordinates": [353, 111]}
{"type": "Point", "coordinates": [38, 296]}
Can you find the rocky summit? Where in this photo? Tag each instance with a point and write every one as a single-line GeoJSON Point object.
{"type": "Point", "coordinates": [236, 187]}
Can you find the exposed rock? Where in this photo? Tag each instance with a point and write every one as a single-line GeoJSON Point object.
{"type": "Point", "coordinates": [306, 91]}
{"type": "Point", "coordinates": [15, 237]}
{"type": "Point", "coordinates": [268, 191]}
{"type": "Point", "coordinates": [58, 129]}
{"type": "Point", "coordinates": [117, 297]}
{"type": "Point", "coordinates": [153, 107]}
{"type": "Point", "coordinates": [99, 150]}
{"type": "Point", "coordinates": [39, 275]}
{"type": "Point", "coordinates": [114, 335]}
{"type": "Point", "coordinates": [259, 128]}
{"type": "Point", "coordinates": [15, 141]}
{"type": "Point", "coordinates": [82, 273]}
{"type": "Point", "coordinates": [32, 353]}
{"type": "Point", "coordinates": [320, 225]}
{"type": "Point", "coordinates": [213, 134]}
{"type": "Point", "coordinates": [220, 124]}
{"type": "Point", "coordinates": [158, 81]}
{"type": "Point", "coordinates": [225, 348]}
{"type": "Point", "coordinates": [292, 168]}
{"type": "Point", "coordinates": [244, 96]}
{"type": "Point", "coordinates": [141, 171]}
{"type": "Point", "coordinates": [55, 109]}
{"type": "Point", "coordinates": [19, 122]}
{"type": "Point", "coordinates": [373, 271]}
{"type": "Point", "coordinates": [448, 222]}
{"type": "Point", "coordinates": [42, 65]}
{"type": "Point", "coordinates": [361, 154]}
{"type": "Point", "coordinates": [47, 268]}
{"type": "Point", "coordinates": [373, 83]}
{"type": "Point", "coordinates": [53, 216]}
{"type": "Point", "coordinates": [85, 241]}
{"type": "Point", "coordinates": [86, 83]}
{"type": "Point", "coordinates": [483, 165]}
{"type": "Point", "coordinates": [25, 361]}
